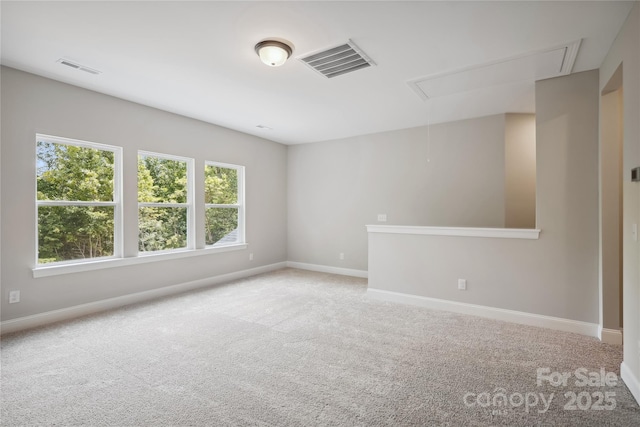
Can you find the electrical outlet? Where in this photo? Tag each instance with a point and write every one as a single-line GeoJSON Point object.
{"type": "Point", "coordinates": [462, 284]}
{"type": "Point", "coordinates": [382, 217]}
{"type": "Point", "coordinates": [14, 296]}
{"type": "Point", "coordinates": [251, 256]}
{"type": "Point", "coordinates": [341, 255]}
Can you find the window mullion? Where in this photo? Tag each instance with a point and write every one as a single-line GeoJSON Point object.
{"type": "Point", "coordinates": [213, 205]}
{"type": "Point", "coordinates": [191, 211]}
{"type": "Point", "coordinates": [162, 205]}
{"type": "Point", "coordinates": [118, 223]}
{"type": "Point", "coordinates": [72, 203]}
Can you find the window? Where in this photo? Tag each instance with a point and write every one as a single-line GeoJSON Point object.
{"type": "Point", "coordinates": [165, 202]}
{"type": "Point", "coordinates": [79, 207]}
{"type": "Point", "coordinates": [224, 204]}
{"type": "Point", "coordinates": [77, 200]}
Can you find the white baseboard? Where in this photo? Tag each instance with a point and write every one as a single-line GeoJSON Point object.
{"type": "Point", "coordinates": [630, 380]}
{"type": "Point", "coordinates": [40, 319]}
{"type": "Point", "coordinates": [566, 325]}
{"type": "Point", "coordinates": [328, 269]}
{"type": "Point", "coordinates": [610, 336]}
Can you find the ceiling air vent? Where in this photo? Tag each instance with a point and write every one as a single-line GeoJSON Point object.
{"type": "Point", "coordinates": [338, 60]}
{"type": "Point", "coordinates": [77, 66]}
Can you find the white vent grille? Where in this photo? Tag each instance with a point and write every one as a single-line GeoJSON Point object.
{"type": "Point", "coordinates": [338, 60]}
{"type": "Point", "coordinates": [77, 66]}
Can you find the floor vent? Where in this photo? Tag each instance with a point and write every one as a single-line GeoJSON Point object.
{"type": "Point", "coordinates": [77, 66]}
{"type": "Point", "coordinates": [338, 60]}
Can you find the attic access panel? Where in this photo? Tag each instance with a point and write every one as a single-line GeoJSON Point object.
{"type": "Point", "coordinates": [529, 67]}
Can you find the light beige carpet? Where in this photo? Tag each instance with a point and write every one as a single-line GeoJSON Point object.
{"type": "Point", "coordinates": [295, 348]}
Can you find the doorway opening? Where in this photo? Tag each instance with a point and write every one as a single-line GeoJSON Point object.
{"type": "Point", "coordinates": [611, 208]}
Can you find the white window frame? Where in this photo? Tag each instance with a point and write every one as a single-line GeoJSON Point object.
{"type": "Point", "coordinates": [116, 203]}
{"type": "Point", "coordinates": [118, 259]}
{"type": "Point", "coordinates": [240, 202]}
{"type": "Point", "coordinates": [191, 219]}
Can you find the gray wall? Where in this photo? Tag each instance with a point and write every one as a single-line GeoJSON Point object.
{"type": "Point", "coordinates": [452, 174]}
{"type": "Point", "coordinates": [32, 104]}
{"type": "Point", "coordinates": [625, 51]}
{"type": "Point", "coordinates": [556, 275]}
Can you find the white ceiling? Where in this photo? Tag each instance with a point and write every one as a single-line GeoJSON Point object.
{"type": "Point", "coordinates": [197, 58]}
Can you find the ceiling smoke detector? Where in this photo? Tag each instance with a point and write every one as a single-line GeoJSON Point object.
{"type": "Point", "coordinates": [338, 60]}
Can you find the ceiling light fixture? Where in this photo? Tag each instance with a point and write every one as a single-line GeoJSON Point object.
{"type": "Point", "coordinates": [273, 53]}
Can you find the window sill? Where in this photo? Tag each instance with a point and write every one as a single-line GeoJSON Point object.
{"type": "Point", "coordinates": [501, 233]}
{"type": "Point", "coordinates": [55, 270]}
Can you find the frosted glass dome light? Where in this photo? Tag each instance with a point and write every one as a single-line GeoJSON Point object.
{"type": "Point", "coordinates": [273, 53]}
